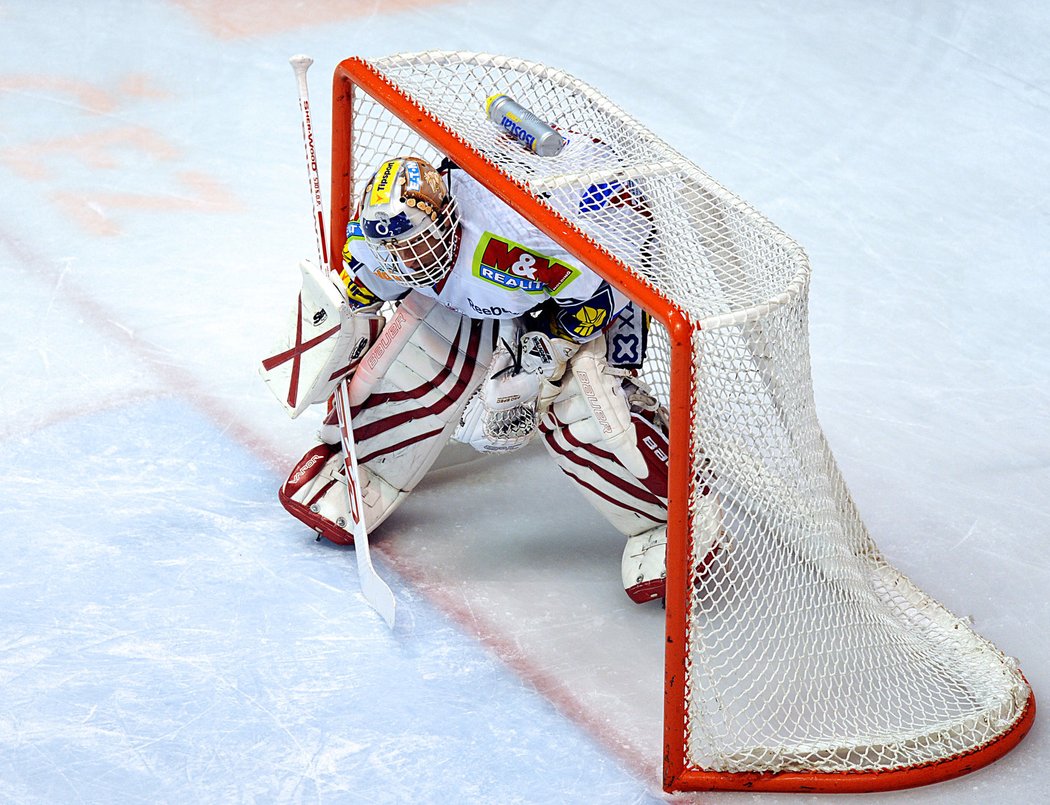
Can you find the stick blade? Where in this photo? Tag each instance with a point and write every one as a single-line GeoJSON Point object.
{"type": "Point", "coordinates": [377, 593]}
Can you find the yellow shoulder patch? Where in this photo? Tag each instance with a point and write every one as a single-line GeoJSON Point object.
{"type": "Point", "coordinates": [359, 295]}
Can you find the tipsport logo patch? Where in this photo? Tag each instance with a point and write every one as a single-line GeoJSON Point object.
{"type": "Point", "coordinates": [384, 182]}
{"type": "Point", "coordinates": [516, 268]}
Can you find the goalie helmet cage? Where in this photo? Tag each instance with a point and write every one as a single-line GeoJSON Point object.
{"type": "Point", "coordinates": [798, 659]}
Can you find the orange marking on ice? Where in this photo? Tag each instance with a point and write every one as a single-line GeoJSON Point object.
{"type": "Point", "coordinates": [139, 85]}
{"type": "Point", "coordinates": [91, 210]}
{"type": "Point", "coordinates": [91, 98]}
{"type": "Point", "coordinates": [259, 17]}
{"type": "Point", "coordinates": [84, 213]}
{"type": "Point", "coordinates": [36, 160]}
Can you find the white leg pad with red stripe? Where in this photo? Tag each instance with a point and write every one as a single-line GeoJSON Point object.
{"type": "Point", "coordinates": [644, 565]}
{"type": "Point", "coordinates": [644, 562]}
{"type": "Point", "coordinates": [406, 398]}
{"type": "Point", "coordinates": [608, 435]}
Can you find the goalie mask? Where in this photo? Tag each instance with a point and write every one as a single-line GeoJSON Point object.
{"type": "Point", "coordinates": [410, 222]}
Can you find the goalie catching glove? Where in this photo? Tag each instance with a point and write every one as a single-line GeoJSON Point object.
{"type": "Point", "coordinates": [522, 382]}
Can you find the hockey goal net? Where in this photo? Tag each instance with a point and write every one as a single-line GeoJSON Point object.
{"type": "Point", "coordinates": [799, 659]}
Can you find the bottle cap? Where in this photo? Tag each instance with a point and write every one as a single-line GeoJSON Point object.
{"type": "Point", "coordinates": [492, 99]}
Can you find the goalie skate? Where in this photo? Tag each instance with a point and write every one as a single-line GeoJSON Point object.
{"type": "Point", "coordinates": [315, 493]}
{"type": "Point", "coordinates": [644, 563]}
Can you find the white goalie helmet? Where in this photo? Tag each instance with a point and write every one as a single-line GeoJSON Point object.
{"type": "Point", "coordinates": [409, 221]}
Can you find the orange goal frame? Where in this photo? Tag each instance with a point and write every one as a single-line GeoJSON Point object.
{"type": "Point", "coordinates": [356, 72]}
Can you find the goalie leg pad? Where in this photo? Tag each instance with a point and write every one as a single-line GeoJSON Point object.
{"type": "Point", "coordinates": [403, 418]}
{"type": "Point", "coordinates": [405, 401]}
{"type": "Point", "coordinates": [614, 449]}
{"type": "Point", "coordinates": [644, 563]}
{"type": "Point", "coordinates": [608, 434]}
{"type": "Point", "coordinates": [604, 432]}
{"type": "Point", "coordinates": [316, 494]}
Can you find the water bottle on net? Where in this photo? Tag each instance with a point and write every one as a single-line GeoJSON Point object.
{"type": "Point", "coordinates": [524, 126]}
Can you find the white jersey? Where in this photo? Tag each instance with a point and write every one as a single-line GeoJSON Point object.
{"type": "Point", "coordinates": [504, 267]}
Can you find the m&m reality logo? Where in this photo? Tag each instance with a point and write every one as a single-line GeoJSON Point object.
{"type": "Point", "coordinates": [516, 268]}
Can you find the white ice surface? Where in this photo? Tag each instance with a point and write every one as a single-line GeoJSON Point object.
{"type": "Point", "coordinates": [169, 634]}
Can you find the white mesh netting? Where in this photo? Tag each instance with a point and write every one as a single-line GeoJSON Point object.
{"type": "Point", "coordinates": [808, 651]}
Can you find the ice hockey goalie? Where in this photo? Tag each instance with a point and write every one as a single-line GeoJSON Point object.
{"type": "Point", "coordinates": [497, 336]}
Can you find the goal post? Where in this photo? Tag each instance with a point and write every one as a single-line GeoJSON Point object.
{"type": "Point", "coordinates": [797, 657]}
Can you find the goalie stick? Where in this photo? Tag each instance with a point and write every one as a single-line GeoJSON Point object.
{"type": "Point", "coordinates": [375, 590]}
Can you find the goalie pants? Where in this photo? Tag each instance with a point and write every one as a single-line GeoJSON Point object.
{"type": "Point", "coordinates": [604, 431]}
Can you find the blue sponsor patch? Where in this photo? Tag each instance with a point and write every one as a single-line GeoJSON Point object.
{"type": "Point", "coordinates": [412, 175]}
{"type": "Point", "coordinates": [387, 228]}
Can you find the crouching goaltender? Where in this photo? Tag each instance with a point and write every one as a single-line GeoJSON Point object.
{"type": "Point", "coordinates": [496, 336]}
